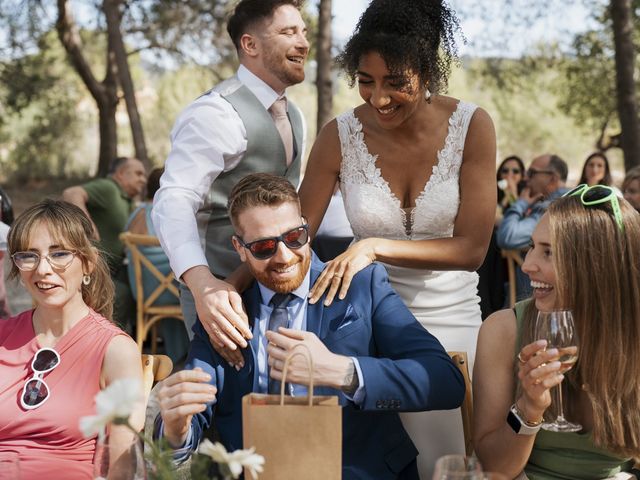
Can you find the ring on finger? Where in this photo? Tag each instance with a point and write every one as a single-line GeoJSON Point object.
{"type": "Point", "coordinates": [520, 359]}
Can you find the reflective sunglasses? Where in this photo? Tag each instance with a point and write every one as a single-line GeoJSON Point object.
{"type": "Point", "coordinates": [506, 170]}
{"type": "Point", "coordinates": [35, 391]}
{"type": "Point", "coordinates": [28, 261]}
{"type": "Point", "coordinates": [267, 247]}
{"type": "Point", "coordinates": [596, 195]}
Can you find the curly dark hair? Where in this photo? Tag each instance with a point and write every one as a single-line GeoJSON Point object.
{"type": "Point", "coordinates": [410, 35]}
{"type": "Point", "coordinates": [247, 12]}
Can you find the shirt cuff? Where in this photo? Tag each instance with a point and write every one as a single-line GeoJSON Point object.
{"type": "Point", "coordinates": [180, 454]}
{"type": "Point", "coordinates": [358, 396]}
{"type": "Point", "coordinates": [186, 256]}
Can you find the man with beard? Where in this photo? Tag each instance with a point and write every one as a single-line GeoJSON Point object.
{"type": "Point", "coordinates": [243, 125]}
{"type": "Point", "coordinates": [367, 349]}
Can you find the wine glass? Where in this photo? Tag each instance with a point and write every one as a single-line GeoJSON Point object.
{"type": "Point", "coordinates": [558, 329]}
{"type": "Point", "coordinates": [457, 467]}
{"type": "Point", "coordinates": [9, 466]}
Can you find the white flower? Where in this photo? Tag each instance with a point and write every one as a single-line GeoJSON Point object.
{"type": "Point", "coordinates": [503, 184]}
{"type": "Point", "coordinates": [114, 404]}
{"type": "Point", "coordinates": [234, 460]}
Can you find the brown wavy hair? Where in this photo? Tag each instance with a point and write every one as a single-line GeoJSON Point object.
{"type": "Point", "coordinates": [70, 227]}
{"type": "Point", "coordinates": [598, 278]}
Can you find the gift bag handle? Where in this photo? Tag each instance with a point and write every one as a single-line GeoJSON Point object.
{"type": "Point", "coordinates": [309, 358]}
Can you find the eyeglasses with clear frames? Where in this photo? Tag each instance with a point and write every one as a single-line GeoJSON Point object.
{"type": "Point", "coordinates": [28, 261]}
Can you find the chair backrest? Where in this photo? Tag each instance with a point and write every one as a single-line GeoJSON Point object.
{"type": "Point", "coordinates": [154, 369]}
{"type": "Point", "coordinates": [514, 258]}
{"type": "Point", "coordinates": [166, 283]}
{"type": "Point", "coordinates": [460, 359]}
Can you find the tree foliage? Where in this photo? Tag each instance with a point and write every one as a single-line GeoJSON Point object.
{"type": "Point", "coordinates": [39, 124]}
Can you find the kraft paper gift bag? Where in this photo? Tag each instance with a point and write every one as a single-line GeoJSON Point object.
{"type": "Point", "coordinates": [299, 437]}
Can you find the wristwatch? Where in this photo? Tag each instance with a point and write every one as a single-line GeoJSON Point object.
{"type": "Point", "coordinates": [516, 420]}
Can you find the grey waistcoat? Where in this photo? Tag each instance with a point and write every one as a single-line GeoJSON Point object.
{"type": "Point", "coordinates": [265, 153]}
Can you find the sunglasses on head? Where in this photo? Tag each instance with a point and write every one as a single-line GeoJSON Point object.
{"type": "Point", "coordinates": [506, 170]}
{"type": "Point", "coordinates": [35, 391]}
{"type": "Point", "coordinates": [596, 195]}
{"type": "Point", "coordinates": [267, 247]}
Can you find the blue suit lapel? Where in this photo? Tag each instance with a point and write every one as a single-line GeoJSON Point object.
{"type": "Point", "coordinates": [315, 311]}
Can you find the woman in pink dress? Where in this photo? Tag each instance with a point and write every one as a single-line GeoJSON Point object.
{"type": "Point", "coordinates": [55, 358]}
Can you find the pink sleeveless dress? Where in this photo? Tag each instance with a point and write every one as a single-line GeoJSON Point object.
{"type": "Point", "coordinates": [47, 439]}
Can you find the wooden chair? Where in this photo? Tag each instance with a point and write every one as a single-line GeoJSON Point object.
{"type": "Point", "coordinates": [154, 369]}
{"type": "Point", "coordinates": [147, 315]}
{"type": "Point", "coordinates": [514, 258]}
{"type": "Point", "coordinates": [460, 359]}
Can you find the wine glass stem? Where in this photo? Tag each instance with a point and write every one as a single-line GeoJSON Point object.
{"type": "Point", "coordinates": [560, 418]}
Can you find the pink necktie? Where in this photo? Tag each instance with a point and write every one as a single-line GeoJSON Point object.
{"type": "Point", "coordinates": [278, 112]}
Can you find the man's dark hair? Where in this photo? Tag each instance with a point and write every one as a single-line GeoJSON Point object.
{"type": "Point", "coordinates": [260, 189]}
{"type": "Point", "coordinates": [415, 36]}
{"type": "Point", "coordinates": [117, 163]}
{"type": "Point", "coordinates": [248, 12]}
{"type": "Point", "coordinates": [559, 166]}
{"type": "Point", "coordinates": [153, 182]}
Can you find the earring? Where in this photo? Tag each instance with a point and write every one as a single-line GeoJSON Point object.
{"type": "Point", "coordinates": [86, 279]}
{"type": "Point", "coordinates": [427, 95]}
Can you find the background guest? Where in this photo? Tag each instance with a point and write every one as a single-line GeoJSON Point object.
{"type": "Point", "coordinates": [55, 358]}
{"type": "Point", "coordinates": [493, 271]}
{"type": "Point", "coordinates": [173, 331]}
{"type": "Point", "coordinates": [545, 182]}
{"type": "Point", "coordinates": [509, 175]}
{"type": "Point", "coordinates": [595, 170]}
{"type": "Point", "coordinates": [108, 202]}
{"type": "Point", "coordinates": [631, 187]}
{"type": "Point", "coordinates": [585, 259]}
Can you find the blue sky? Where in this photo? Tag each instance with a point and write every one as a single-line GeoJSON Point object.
{"type": "Point", "coordinates": [567, 19]}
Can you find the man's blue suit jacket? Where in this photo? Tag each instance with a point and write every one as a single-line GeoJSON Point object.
{"type": "Point", "coordinates": [405, 368]}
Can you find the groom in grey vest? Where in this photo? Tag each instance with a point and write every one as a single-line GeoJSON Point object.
{"type": "Point", "coordinates": [243, 125]}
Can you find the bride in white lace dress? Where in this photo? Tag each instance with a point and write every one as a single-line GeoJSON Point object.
{"type": "Point", "coordinates": [416, 174]}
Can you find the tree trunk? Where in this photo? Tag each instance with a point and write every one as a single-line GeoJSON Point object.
{"type": "Point", "coordinates": [111, 10]}
{"type": "Point", "coordinates": [324, 83]}
{"type": "Point", "coordinates": [108, 138]}
{"type": "Point", "coordinates": [621, 14]}
{"type": "Point", "coordinates": [104, 93]}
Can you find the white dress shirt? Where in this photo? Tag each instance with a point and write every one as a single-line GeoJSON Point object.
{"type": "Point", "coordinates": [207, 139]}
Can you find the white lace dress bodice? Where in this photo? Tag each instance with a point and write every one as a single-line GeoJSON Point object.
{"type": "Point", "coordinates": [373, 209]}
{"type": "Point", "coordinates": [444, 302]}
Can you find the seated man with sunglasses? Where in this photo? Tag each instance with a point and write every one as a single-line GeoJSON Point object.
{"type": "Point", "coordinates": [545, 182]}
{"type": "Point", "coordinates": [368, 349]}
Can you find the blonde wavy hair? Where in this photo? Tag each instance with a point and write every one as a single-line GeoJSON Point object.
{"type": "Point", "coordinates": [597, 269]}
{"type": "Point", "coordinates": [69, 226]}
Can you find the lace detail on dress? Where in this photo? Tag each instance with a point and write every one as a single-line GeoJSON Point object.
{"type": "Point", "coordinates": [372, 208]}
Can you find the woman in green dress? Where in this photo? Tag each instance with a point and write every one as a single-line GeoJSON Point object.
{"type": "Point", "coordinates": [584, 257]}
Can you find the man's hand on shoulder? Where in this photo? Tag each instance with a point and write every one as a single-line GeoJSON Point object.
{"type": "Point", "coordinates": [181, 396]}
{"type": "Point", "coordinates": [220, 311]}
{"type": "Point", "coordinates": [329, 369]}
